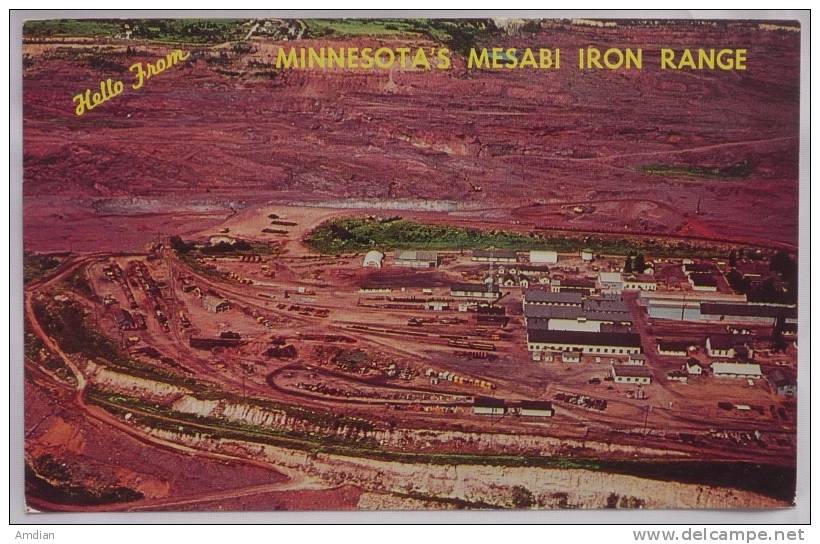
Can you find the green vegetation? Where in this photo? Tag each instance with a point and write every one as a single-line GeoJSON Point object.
{"type": "Point", "coordinates": [205, 31]}
{"type": "Point", "coordinates": [162, 417]}
{"type": "Point", "coordinates": [458, 34]}
{"type": "Point", "coordinates": [65, 320]}
{"type": "Point", "coordinates": [741, 169]}
{"type": "Point", "coordinates": [361, 27]}
{"type": "Point", "coordinates": [635, 263]}
{"type": "Point", "coordinates": [78, 280]}
{"type": "Point", "coordinates": [37, 352]}
{"type": "Point", "coordinates": [222, 248]}
{"type": "Point", "coordinates": [192, 253]}
{"type": "Point", "coordinates": [354, 235]}
{"type": "Point", "coordinates": [779, 288]}
{"type": "Point", "coordinates": [73, 27]}
{"type": "Point", "coordinates": [51, 480]}
{"type": "Point", "coordinates": [36, 266]}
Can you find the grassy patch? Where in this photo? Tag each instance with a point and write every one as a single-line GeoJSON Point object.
{"type": "Point", "coordinates": [458, 34]}
{"type": "Point", "coordinates": [203, 31]}
{"type": "Point", "coordinates": [36, 266]}
{"type": "Point", "coordinates": [735, 171]}
{"type": "Point", "coordinates": [354, 235]}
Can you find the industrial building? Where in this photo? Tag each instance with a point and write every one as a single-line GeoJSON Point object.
{"type": "Point", "coordinates": [484, 291]}
{"type": "Point", "coordinates": [215, 304]}
{"type": "Point", "coordinates": [763, 314]}
{"type": "Point", "coordinates": [631, 374]}
{"type": "Point", "coordinates": [489, 406]}
{"type": "Point", "coordinates": [637, 359]}
{"type": "Point", "coordinates": [673, 348]}
{"type": "Point", "coordinates": [541, 296]}
{"type": "Point", "coordinates": [586, 342]}
{"type": "Point", "coordinates": [639, 282]}
{"type": "Point", "coordinates": [584, 286]}
{"type": "Point", "coordinates": [494, 256]}
{"type": "Point", "coordinates": [534, 408]}
{"type": "Point", "coordinates": [720, 346]}
{"type": "Point", "coordinates": [571, 318]}
{"type": "Point", "coordinates": [542, 256]}
{"type": "Point", "coordinates": [703, 282]}
{"type": "Point", "coordinates": [611, 282]}
{"type": "Point", "coordinates": [737, 370]}
{"type": "Point", "coordinates": [417, 259]}
{"type": "Point", "coordinates": [606, 302]}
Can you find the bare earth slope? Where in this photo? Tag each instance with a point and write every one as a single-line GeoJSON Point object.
{"type": "Point", "coordinates": [638, 148]}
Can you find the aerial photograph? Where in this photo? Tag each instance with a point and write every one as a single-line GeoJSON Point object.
{"type": "Point", "coordinates": [410, 264]}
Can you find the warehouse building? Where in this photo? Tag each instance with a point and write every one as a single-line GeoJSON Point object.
{"type": "Point", "coordinates": [639, 282]}
{"type": "Point", "coordinates": [489, 406]}
{"type": "Point", "coordinates": [215, 304]}
{"type": "Point", "coordinates": [737, 370]}
{"type": "Point", "coordinates": [541, 296]}
{"type": "Point", "coordinates": [586, 342]}
{"type": "Point", "coordinates": [494, 256]}
{"type": "Point", "coordinates": [534, 408]}
{"type": "Point", "coordinates": [611, 282]}
{"type": "Point", "coordinates": [703, 282]}
{"type": "Point", "coordinates": [674, 348]}
{"type": "Point", "coordinates": [541, 256]}
{"type": "Point", "coordinates": [763, 314]}
{"type": "Point", "coordinates": [571, 318]}
{"type": "Point", "coordinates": [637, 359]}
{"type": "Point", "coordinates": [630, 374]}
{"type": "Point", "coordinates": [484, 291]}
{"type": "Point", "coordinates": [674, 310]}
{"type": "Point", "coordinates": [529, 270]}
{"type": "Point", "coordinates": [606, 302]}
{"type": "Point", "coordinates": [417, 259]}
{"type": "Point", "coordinates": [585, 286]}
{"type": "Point", "coordinates": [720, 346]}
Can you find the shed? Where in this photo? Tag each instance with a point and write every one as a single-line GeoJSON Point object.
{"type": "Point", "coordinates": [373, 259]}
{"type": "Point", "coordinates": [541, 256]}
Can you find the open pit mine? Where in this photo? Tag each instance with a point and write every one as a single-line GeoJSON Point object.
{"type": "Point", "coordinates": [249, 287]}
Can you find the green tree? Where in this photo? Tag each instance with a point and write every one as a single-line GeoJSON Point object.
{"type": "Point", "coordinates": [628, 264]}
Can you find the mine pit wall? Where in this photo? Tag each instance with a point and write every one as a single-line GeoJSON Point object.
{"type": "Point", "coordinates": [419, 440]}
{"type": "Point", "coordinates": [474, 485]}
{"type": "Point", "coordinates": [147, 390]}
{"type": "Point", "coordinates": [483, 485]}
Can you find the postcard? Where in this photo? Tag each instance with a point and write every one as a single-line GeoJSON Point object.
{"type": "Point", "coordinates": [410, 264]}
